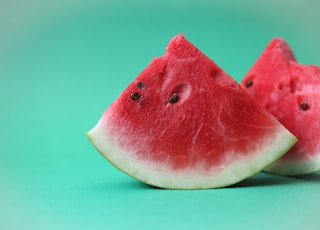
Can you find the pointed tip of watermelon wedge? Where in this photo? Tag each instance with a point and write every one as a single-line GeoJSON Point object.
{"type": "Point", "coordinates": [274, 62]}
{"type": "Point", "coordinates": [180, 47]}
{"type": "Point", "coordinates": [280, 49]}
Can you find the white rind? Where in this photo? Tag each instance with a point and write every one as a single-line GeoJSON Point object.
{"type": "Point", "coordinates": [295, 167]}
{"type": "Point", "coordinates": [160, 175]}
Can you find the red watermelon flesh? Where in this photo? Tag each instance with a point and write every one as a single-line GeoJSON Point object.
{"type": "Point", "coordinates": [183, 123]}
{"type": "Point", "coordinates": [290, 91]}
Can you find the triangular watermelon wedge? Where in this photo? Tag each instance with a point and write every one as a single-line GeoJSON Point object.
{"type": "Point", "coordinates": [183, 123]}
{"type": "Point", "coordinates": [290, 91]}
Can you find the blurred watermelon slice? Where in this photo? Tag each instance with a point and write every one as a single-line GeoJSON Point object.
{"type": "Point", "coordinates": [291, 92]}
{"type": "Point", "coordinates": [183, 123]}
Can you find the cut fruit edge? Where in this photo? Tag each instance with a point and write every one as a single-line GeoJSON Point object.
{"type": "Point", "coordinates": [159, 175]}
{"type": "Point", "coordinates": [295, 167]}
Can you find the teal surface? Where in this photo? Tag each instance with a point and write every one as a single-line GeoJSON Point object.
{"type": "Point", "coordinates": [63, 62]}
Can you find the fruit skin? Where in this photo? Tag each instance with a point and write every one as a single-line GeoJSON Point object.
{"type": "Point", "coordinates": [183, 123]}
{"type": "Point", "coordinates": [290, 91]}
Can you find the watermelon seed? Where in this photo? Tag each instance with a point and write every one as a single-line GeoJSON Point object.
{"type": "Point", "coordinates": [140, 84]}
{"type": "Point", "coordinates": [174, 98]}
{"type": "Point", "coordinates": [249, 83]}
{"type": "Point", "coordinates": [304, 106]}
{"type": "Point", "coordinates": [135, 96]}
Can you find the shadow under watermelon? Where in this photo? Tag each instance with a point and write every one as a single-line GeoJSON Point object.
{"type": "Point", "coordinates": [315, 177]}
{"type": "Point", "coordinates": [265, 179]}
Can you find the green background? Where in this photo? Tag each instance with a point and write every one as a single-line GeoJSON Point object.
{"type": "Point", "coordinates": [63, 62]}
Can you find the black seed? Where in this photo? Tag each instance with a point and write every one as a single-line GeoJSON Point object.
{"type": "Point", "coordinates": [135, 96]}
{"type": "Point", "coordinates": [249, 83]}
{"type": "Point", "coordinates": [304, 106]}
{"type": "Point", "coordinates": [140, 84]}
{"type": "Point", "coordinates": [174, 98]}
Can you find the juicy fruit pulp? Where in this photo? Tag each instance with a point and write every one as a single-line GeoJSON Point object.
{"type": "Point", "coordinates": [290, 91]}
{"type": "Point", "coordinates": [183, 123]}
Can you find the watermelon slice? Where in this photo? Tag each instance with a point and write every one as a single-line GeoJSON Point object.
{"type": "Point", "coordinates": [290, 91]}
{"type": "Point", "coordinates": [183, 123]}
